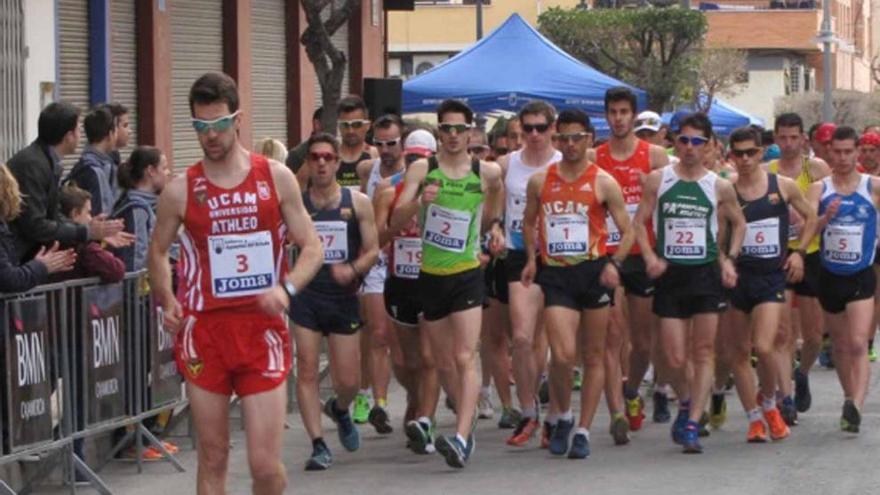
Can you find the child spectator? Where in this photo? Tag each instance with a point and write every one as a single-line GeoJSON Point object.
{"type": "Point", "coordinates": [92, 260]}
{"type": "Point", "coordinates": [142, 179]}
{"type": "Point", "coordinates": [21, 278]}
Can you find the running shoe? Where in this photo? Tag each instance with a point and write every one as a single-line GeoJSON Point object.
{"type": "Point", "coordinates": [347, 431]}
{"type": "Point", "coordinates": [704, 423]}
{"type": "Point", "coordinates": [361, 412]}
{"type": "Point", "coordinates": [757, 432]}
{"type": "Point", "coordinates": [872, 354]}
{"type": "Point", "coordinates": [778, 429]}
{"type": "Point", "coordinates": [578, 380]}
{"type": "Point", "coordinates": [635, 413]}
{"type": "Point", "coordinates": [620, 429]}
{"type": "Point", "coordinates": [580, 447]}
{"type": "Point", "coordinates": [171, 447]}
{"type": "Point", "coordinates": [825, 359]}
{"type": "Point", "coordinates": [851, 419]}
{"type": "Point", "coordinates": [148, 454]}
{"type": "Point", "coordinates": [510, 417]}
{"type": "Point", "coordinates": [546, 434]}
{"type": "Point", "coordinates": [452, 451]}
{"type": "Point", "coordinates": [484, 406]}
{"type": "Point", "coordinates": [321, 458]}
{"type": "Point", "coordinates": [788, 411]}
{"type": "Point", "coordinates": [379, 419]}
{"type": "Point", "coordinates": [421, 438]}
{"type": "Point", "coordinates": [690, 438]}
{"type": "Point", "coordinates": [719, 411]}
{"type": "Point", "coordinates": [523, 432]}
{"type": "Point", "coordinates": [803, 399]}
{"type": "Point", "coordinates": [661, 408]}
{"type": "Point", "coordinates": [544, 391]}
{"type": "Point", "coordinates": [681, 420]}
{"type": "Point", "coordinates": [559, 438]}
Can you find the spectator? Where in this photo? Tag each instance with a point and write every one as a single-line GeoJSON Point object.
{"type": "Point", "coordinates": [95, 171]}
{"type": "Point", "coordinates": [272, 149]}
{"type": "Point", "coordinates": [37, 168]}
{"type": "Point", "coordinates": [123, 130]}
{"type": "Point", "coordinates": [91, 259]}
{"type": "Point", "coordinates": [142, 178]}
{"type": "Point", "coordinates": [24, 277]}
{"type": "Point", "coordinates": [297, 155]}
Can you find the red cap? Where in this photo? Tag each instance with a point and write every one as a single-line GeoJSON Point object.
{"type": "Point", "coordinates": [825, 131]}
{"type": "Point", "coordinates": [870, 139]}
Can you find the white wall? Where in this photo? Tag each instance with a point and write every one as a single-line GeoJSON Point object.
{"type": "Point", "coordinates": [766, 82]}
{"type": "Point", "coordinates": [39, 37]}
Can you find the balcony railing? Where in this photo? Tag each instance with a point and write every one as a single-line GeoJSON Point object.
{"type": "Point", "coordinates": [746, 5]}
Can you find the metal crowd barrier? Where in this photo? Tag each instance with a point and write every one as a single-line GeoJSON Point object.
{"type": "Point", "coordinates": [94, 354]}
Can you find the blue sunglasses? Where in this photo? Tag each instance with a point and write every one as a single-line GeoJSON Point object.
{"type": "Point", "coordinates": [693, 140]}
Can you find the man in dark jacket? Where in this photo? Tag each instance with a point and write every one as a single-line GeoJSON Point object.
{"type": "Point", "coordinates": [95, 171]}
{"type": "Point", "coordinates": [38, 171]}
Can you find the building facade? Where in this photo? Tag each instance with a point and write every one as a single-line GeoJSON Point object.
{"type": "Point", "coordinates": [145, 54]}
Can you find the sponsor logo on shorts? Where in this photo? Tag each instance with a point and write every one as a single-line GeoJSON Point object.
{"type": "Point", "coordinates": [355, 325]}
{"type": "Point", "coordinates": [605, 298]}
{"type": "Point", "coordinates": [195, 367]}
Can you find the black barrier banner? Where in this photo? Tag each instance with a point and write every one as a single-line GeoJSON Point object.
{"type": "Point", "coordinates": [28, 408]}
{"type": "Point", "coordinates": [104, 369]}
{"type": "Point", "coordinates": [164, 376]}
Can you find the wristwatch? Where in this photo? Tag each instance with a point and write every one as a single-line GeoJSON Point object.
{"type": "Point", "coordinates": [289, 289]}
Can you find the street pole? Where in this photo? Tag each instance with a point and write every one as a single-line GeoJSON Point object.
{"type": "Point", "coordinates": [826, 37]}
{"type": "Point", "coordinates": [479, 19]}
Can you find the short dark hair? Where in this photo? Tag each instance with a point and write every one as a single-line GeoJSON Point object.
{"type": "Point", "coordinates": [318, 114]}
{"type": "Point", "coordinates": [214, 87]}
{"type": "Point", "coordinates": [55, 121]}
{"type": "Point", "coordinates": [71, 198]}
{"type": "Point", "coordinates": [351, 104]}
{"type": "Point", "coordinates": [844, 133]}
{"type": "Point", "coordinates": [98, 124]}
{"type": "Point", "coordinates": [509, 122]}
{"type": "Point", "coordinates": [117, 109]}
{"type": "Point", "coordinates": [538, 107]}
{"type": "Point", "coordinates": [323, 137]}
{"type": "Point", "coordinates": [743, 134]}
{"type": "Point", "coordinates": [132, 171]}
{"type": "Point", "coordinates": [698, 121]}
{"type": "Point", "coordinates": [790, 119]}
{"type": "Point", "coordinates": [620, 93]}
{"type": "Point", "coordinates": [455, 106]}
{"type": "Point", "coordinates": [388, 120]}
{"type": "Point", "coordinates": [574, 116]}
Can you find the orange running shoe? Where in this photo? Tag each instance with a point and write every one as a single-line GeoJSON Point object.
{"type": "Point", "coordinates": [757, 432]}
{"type": "Point", "coordinates": [523, 432]}
{"type": "Point", "coordinates": [171, 447]}
{"type": "Point", "coordinates": [778, 429]}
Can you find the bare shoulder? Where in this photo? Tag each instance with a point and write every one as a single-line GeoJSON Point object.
{"type": "Point", "coordinates": [364, 167]}
{"type": "Point", "coordinates": [174, 193]}
{"type": "Point", "coordinates": [818, 168]}
{"type": "Point", "coordinates": [490, 170]}
{"type": "Point", "coordinates": [361, 202]}
{"type": "Point", "coordinates": [658, 156]}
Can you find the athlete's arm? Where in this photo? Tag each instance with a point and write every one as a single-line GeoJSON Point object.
{"type": "Point", "coordinates": [818, 169]}
{"type": "Point", "coordinates": [382, 207]}
{"type": "Point", "coordinates": [658, 157]}
{"type": "Point", "coordinates": [729, 212]}
{"type": "Point", "coordinates": [530, 220]}
{"type": "Point", "coordinates": [369, 239]}
{"type": "Point", "coordinates": [612, 196]}
{"type": "Point", "coordinates": [875, 190]}
{"type": "Point", "coordinates": [364, 167]}
{"type": "Point", "coordinates": [794, 262]}
{"type": "Point", "coordinates": [643, 213]}
{"type": "Point", "coordinates": [493, 185]}
{"type": "Point", "coordinates": [169, 216]}
{"type": "Point", "coordinates": [408, 203]}
{"type": "Point", "coordinates": [814, 195]}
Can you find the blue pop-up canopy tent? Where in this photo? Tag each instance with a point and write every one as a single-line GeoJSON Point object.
{"type": "Point", "coordinates": [724, 116]}
{"type": "Point", "coordinates": [505, 70]}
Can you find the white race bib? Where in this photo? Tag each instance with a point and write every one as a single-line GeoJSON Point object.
{"type": "Point", "coordinates": [762, 239]}
{"type": "Point", "coordinates": [407, 257]}
{"type": "Point", "coordinates": [614, 234]}
{"type": "Point", "coordinates": [567, 234]}
{"type": "Point", "coordinates": [447, 229]}
{"type": "Point", "coordinates": [843, 243]}
{"type": "Point", "coordinates": [241, 264]}
{"type": "Point", "coordinates": [685, 238]}
{"type": "Point", "coordinates": [334, 239]}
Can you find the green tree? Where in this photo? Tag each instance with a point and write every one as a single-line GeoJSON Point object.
{"type": "Point", "coordinates": [651, 48]}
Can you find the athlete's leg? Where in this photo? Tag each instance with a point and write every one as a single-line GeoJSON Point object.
{"type": "Point", "coordinates": [811, 331]}
{"type": "Point", "coordinates": [264, 415]}
{"type": "Point", "coordinates": [429, 382]}
{"type": "Point", "coordinates": [642, 325]}
{"type": "Point", "coordinates": [497, 348]}
{"type": "Point", "coordinates": [592, 334]}
{"type": "Point", "coordinates": [673, 335]}
{"type": "Point", "coordinates": [722, 368]}
{"type": "Point", "coordinates": [525, 306]}
{"type": "Point", "coordinates": [308, 350]}
{"type": "Point", "coordinates": [465, 328]}
{"type": "Point", "coordinates": [379, 330]}
{"type": "Point", "coordinates": [441, 341]}
{"type": "Point", "coordinates": [561, 325]}
{"type": "Point", "coordinates": [850, 330]}
{"type": "Point", "coordinates": [345, 364]}
{"type": "Point", "coordinates": [408, 343]}
{"type": "Point", "coordinates": [785, 347]}
{"type": "Point", "coordinates": [617, 325]}
{"type": "Point", "coordinates": [210, 415]}
{"type": "Point", "coordinates": [765, 326]}
{"type": "Point", "coordinates": [737, 338]}
{"type": "Point", "coordinates": [702, 352]}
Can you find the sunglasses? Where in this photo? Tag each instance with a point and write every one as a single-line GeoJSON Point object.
{"type": "Point", "coordinates": [478, 148]}
{"type": "Point", "coordinates": [692, 140]}
{"type": "Point", "coordinates": [458, 128]}
{"type": "Point", "coordinates": [574, 137]}
{"type": "Point", "coordinates": [541, 128]}
{"type": "Point", "coordinates": [326, 156]}
{"type": "Point", "coordinates": [353, 124]}
{"type": "Point", "coordinates": [217, 125]}
{"type": "Point", "coordinates": [748, 152]}
{"type": "Point", "coordinates": [388, 144]}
